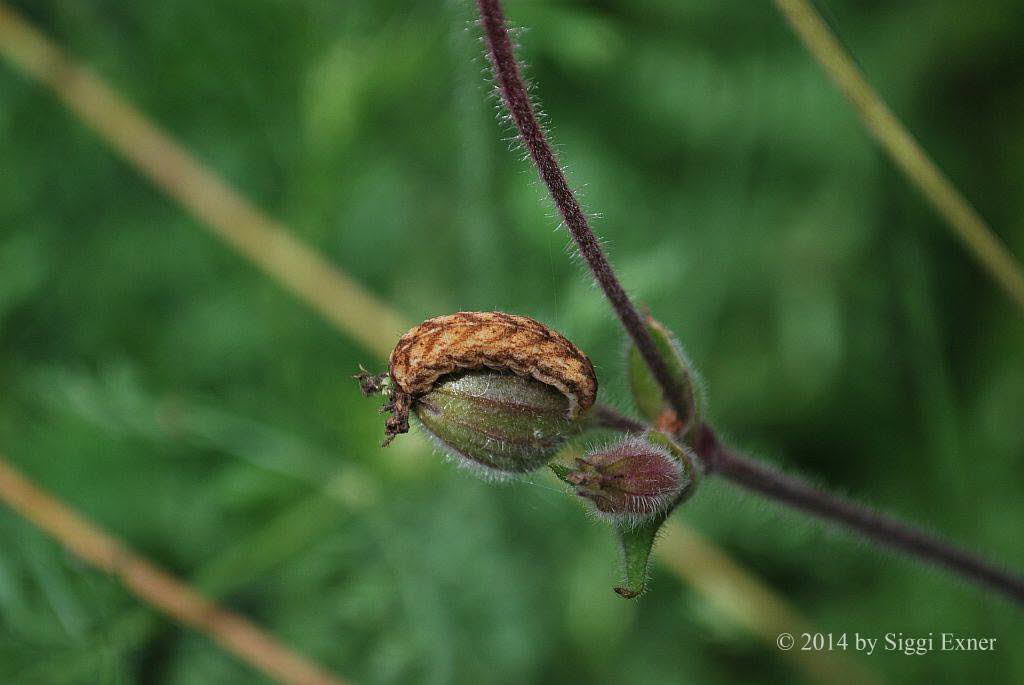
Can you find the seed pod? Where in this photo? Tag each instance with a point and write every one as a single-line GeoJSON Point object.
{"type": "Point", "coordinates": [632, 480]}
{"type": "Point", "coordinates": [494, 340]}
{"type": "Point", "coordinates": [495, 423]}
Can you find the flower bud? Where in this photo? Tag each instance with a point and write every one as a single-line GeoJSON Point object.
{"type": "Point", "coordinates": [631, 480]}
{"type": "Point", "coordinates": [647, 392]}
{"type": "Point", "coordinates": [496, 423]}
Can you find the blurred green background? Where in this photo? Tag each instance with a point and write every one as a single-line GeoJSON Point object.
{"type": "Point", "coordinates": [172, 392]}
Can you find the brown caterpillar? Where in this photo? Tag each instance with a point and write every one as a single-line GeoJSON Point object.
{"type": "Point", "coordinates": [494, 340]}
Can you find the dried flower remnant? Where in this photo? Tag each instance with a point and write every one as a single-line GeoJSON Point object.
{"type": "Point", "coordinates": [536, 387]}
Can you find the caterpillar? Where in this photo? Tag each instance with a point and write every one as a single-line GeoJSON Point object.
{"type": "Point", "coordinates": [473, 340]}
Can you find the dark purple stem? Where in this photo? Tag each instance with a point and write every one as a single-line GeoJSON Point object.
{"type": "Point", "coordinates": [794, 492]}
{"type": "Point", "coordinates": [611, 418]}
{"type": "Point", "coordinates": [738, 468]}
{"type": "Point", "coordinates": [880, 528]}
{"type": "Point", "coordinates": [513, 92]}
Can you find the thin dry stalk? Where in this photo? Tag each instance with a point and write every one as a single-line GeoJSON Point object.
{"type": "Point", "coordinates": [216, 205]}
{"type": "Point", "coordinates": [156, 586]}
{"type": "Point", "coordinates": [904, 150]}
{"type": "Point", "coordinates": [745, 598]}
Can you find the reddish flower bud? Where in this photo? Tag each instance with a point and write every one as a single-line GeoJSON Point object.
{"type": "Point", "coordinates": [631, 480]}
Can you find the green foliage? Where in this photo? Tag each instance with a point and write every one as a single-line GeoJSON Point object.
{"type": "Point", "coordinates": [169, 390]}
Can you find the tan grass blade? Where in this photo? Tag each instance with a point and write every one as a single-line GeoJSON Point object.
{"type": "Point", "coordinates": [218, 206]}
{"type": "Point", "coordinates": [156, 586]}
{"type": "Point", "coordinates": [904, 150]}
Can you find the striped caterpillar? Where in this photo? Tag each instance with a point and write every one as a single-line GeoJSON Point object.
{"type": "Point", "coordinates": [476, 340]}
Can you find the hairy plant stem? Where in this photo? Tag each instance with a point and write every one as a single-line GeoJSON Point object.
{"type": "Point", "coordinates": [880, 528]}
{"type": "Point", "coordinates": [799, 494]}
{"type": "Point", "coordinates": [715, 457]}
{"type": "Point", "coordinates": [509, 79]}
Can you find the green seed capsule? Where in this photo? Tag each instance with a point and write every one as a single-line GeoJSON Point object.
{"type": "Point", "coordinates": [496, 423]}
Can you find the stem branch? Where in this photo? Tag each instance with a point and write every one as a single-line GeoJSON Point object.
{"type": "Point", "coordinates": [880, 528]}
{"type": "Point", "coordinates": [799, 494]}
{"type": "Point", "coordinates": [716, 458]}
{"type": "Point", "coordinates": [509, 79]}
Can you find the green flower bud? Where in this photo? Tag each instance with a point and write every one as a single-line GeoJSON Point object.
{"type": "Point", "coordinates": [496, 423]}
{"type": "Point", "coordinates": [647, 393]}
